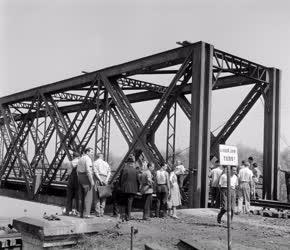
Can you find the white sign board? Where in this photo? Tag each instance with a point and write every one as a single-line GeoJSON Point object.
{"type": "Point", "coordinates": [228, 155]}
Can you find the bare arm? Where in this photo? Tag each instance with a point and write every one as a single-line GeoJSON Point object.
{"type": "Point", "coordinates": [89, 171]}
{"type": "Point", "coordinates": [95, 172]}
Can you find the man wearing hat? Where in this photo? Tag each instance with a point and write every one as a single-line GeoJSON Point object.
{"type": "Point", "coordinates": [129, 184]}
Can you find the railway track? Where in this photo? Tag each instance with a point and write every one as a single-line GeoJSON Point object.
{"type": "Point", "coordinates": [271, 204]}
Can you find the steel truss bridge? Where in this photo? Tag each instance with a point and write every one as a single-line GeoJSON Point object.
{"type": "Point", "coordinates": [68, 114]}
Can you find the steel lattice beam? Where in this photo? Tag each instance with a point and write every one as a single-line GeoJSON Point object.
{"type": "Point", "coordinates": [183, 77]}
{"type": "Point", "coordinates": [171, 133]}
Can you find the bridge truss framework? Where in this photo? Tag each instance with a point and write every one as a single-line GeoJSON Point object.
{"type": "Point", "coordinates": [69, 114]}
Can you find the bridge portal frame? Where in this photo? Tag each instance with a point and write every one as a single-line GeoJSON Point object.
{"type": "Point", "coordinates": [197, 70]}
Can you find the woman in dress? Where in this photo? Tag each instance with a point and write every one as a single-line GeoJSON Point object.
{"type": "Point", "coordinates": [174, 198]}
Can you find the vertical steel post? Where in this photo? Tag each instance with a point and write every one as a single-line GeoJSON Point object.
{"type": "Point", "coordinates": [271, 136]}
{"type": "Point", "coordinates": [1, 148]}
{"type": "Point", "coordinates": [171, 132]}
{"type": "Point", "coordinates": [200, 125]}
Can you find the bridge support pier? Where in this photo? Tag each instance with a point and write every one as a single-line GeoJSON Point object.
{"type": "Point", "coordinates": [271, 136]}
{"type": "Point", "coordinates": [200, 125]}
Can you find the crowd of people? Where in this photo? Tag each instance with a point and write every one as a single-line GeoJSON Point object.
{"type": "Point", "coordinates": [88, 187]}
{"type": "Point", "coordinates": [243, 182]}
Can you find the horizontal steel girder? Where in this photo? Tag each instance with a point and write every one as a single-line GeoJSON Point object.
{"type": "Point", "coordinates": [143, 65]}
{"type": "Point", "coordinates": [154, 92]}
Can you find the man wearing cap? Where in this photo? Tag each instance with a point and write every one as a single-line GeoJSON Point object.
{"type": "Point", "coordinates": [102, 173]}
{"type": "Point", "coordinates": [129, 184]}
{"type": "Point", "coordinates": [245, 177]}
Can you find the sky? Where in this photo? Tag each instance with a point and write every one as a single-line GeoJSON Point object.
{"type": "Point", "coordinates": [47, 41]}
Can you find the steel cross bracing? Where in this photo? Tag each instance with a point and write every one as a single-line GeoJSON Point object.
{"type": "Point", "coordinates": [15, 149]}
{"type": "Point", "coordinates": [183, 75]}
{"type": "Point", "coordinates": [68, 97]}
{"type": "Point", "coordinates": [232, 64]}
{"type": "Point", "coordinates": [131, 119]}
{"type": "Point", "coordinates": [66, 132]}
{"type": "Point", "coordinates": [238, 116]}
{"type": "Point", "coordinates": [19, 134]}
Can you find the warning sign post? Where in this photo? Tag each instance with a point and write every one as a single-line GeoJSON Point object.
{"type": "Point", "coordinates": [228, 158]}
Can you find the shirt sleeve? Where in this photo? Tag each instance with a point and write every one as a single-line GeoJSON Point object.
{"type": "Point", "coordinates": [221, 180]}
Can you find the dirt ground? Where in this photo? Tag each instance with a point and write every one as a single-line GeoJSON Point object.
{"type": "Point", "coordinates": [197, 226]}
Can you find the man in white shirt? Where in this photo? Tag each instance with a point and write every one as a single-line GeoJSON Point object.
{"type": "Point", "coordinates": [214, 175]}
{"type": "Point", "coordinates": [180, 172]}
{"type": "Point", "coordinates": [224, 193]}
{"type": "Point", "coordinates": [86, 182]}
{"type": "Point", "coordinates": [245, 177]}
{"type": "Point", "coordinates": [102, 173]}
{"type": "Point", "coordinates": [162, 190]}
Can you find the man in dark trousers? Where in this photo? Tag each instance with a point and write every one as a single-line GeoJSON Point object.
{"type": "Point", "coordinates": [162, 190]}
{"type": "Point", "coordinates": [129, 185]}
{"type": "Point", "coordinates": [72, 185]}
{"type": "Point", "coordinates": [86, 182]}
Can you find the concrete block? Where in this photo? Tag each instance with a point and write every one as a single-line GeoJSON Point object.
{"type": "Point", "coordinates": [44, 234]}
{"type": "Point", "coordinates": [153, 246]}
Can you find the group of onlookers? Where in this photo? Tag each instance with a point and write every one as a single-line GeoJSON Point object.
{"type": "Point", "coordinates": [243, 181]}
{"type": "Point", "coordinates": [148, 181]}
{"type": "Point", "coordinates": [84, 179]}
{"type": "Point", "coordinates": [88, 177]}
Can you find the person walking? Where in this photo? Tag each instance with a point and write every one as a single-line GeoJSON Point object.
{"type": "Point", "coordinates": [174, 199]}
{"type": "Point", "coordinates": [215, 175]}
{"type": "Point", "coordinates": [72, 186]}
{"type": "Point", "coordinates": [245, 177]}
{"type": "Point", "coordinates": [86, 182]}
{"type": "Point", "coordinates": [224, 193]}
{"type": "Point", "coordinates": [146, 189]}
{"type": "Point", "coordinates": [162, 190]}
{"type": "Point", "coordinates": [102, 173]}
{"type": "Point", "coordinates": [129, 185]}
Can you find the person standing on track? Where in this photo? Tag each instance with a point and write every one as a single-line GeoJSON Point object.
{"type": "Point", "coordinates": [162, 190]}
{"type": "Point", "coordinates": [215, 175]}
{"type": "Point", "coordinates": [102, 173]}
{"type": "Point", "coordinates": [146, 189]}
{"type": "Point", "coordinates": [245, 177]}
{"type": "Point", "coordinates": [129, 184]}
{"type": "Point", "coordinates": [72, 186]}
{"type": "Point", "coordinates": [86, 182]}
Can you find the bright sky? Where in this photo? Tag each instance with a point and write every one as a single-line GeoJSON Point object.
{"type": "Point", "coordinates": [46, 41]}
